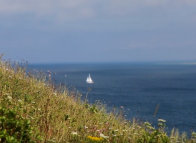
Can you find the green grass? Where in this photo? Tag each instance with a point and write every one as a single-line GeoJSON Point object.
{"type": "Point", "coordinates": [33, 109]}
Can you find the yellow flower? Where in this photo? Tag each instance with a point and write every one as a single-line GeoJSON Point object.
{"type": "Point", "coordinates": [95, 138]}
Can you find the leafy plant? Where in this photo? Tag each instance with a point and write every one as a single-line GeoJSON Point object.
{"type": "Point", "coordinates": [13, 128]}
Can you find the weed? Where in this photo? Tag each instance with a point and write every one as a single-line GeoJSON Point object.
{"type": "Point", "coordinates": [33, 109]}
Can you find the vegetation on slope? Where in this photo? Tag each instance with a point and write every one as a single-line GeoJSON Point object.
{"type": "Point", "coordinates": [32, 109]}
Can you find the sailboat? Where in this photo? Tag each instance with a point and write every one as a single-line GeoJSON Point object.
{"type": "Point", "coordinates": [89, 80]}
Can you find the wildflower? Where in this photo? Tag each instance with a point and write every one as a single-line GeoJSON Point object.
{"type": "Point", "coordinates": [121, 107]}
{"type": "Point", "coordinates": [20, 101]}
{"type": "Point", "coordinates": [106, 123]}
{"type": "Point", "coordinates": [6, 69]}
{"type": "Point", "coordinates": [74, 133]}
{"type": "Point", "coordinates": [10, 76]}
{"type": "Point", "coordinates": [114, 135]}
{"type": "Point", "coordinates": [103, 136]}
{"type": "Point", "coordinates": [193, 134]}
{"type": "Point", "coordinates": [95, 138]}
{"type": "Point", "coordinates": [147, 124]}
{"type": "Point", "coordinates": [161, 120]}
{"type": "Point", "coordinates": [116, 130]}
{"type": "Point", "coordinates": [9, 97]}
{"type": "Point", "coordinates": [54, 93]}
{"type": "Point", "coordinates": [124, 130]}
{"type": "Point", "coordinates": [69, 127]}
{"type": "Point", "coordinates": [85, 127]}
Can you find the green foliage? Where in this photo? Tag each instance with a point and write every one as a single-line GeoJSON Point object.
{"type": "Point", "coordinates": [13, 128]}
{"type": "Point", "coordinates": [93, 109]}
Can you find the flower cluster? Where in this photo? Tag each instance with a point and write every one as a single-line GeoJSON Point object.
{"type": "Point", "coordinates": [95, 138]}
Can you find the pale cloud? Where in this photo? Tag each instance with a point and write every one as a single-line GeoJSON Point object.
{"type": "Point", "coordinates": [77, 9]}
{"type": "Point", "coordinates": [63, 9]}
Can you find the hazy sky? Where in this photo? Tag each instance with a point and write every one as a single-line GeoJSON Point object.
{"type": "Point", "coordinates": [64, 31]}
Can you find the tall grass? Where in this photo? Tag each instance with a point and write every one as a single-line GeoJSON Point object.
{"type": "Point", "coordinates": [56, 114]}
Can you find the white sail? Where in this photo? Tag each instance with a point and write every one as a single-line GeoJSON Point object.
{"type": "Point", "coordinates": [89, 80]}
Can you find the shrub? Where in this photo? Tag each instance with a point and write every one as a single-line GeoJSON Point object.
{"type": "Point", "coordinates": [13, 128]}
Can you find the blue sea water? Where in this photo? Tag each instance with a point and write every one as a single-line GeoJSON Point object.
{"type": "Point", "coordinates": [138, 87]}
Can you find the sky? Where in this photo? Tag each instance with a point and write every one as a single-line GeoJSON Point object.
{"type": "Point", "coordinates": [80, 31]}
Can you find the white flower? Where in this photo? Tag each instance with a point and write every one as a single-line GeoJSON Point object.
{"type": "Point", "coordinates": [116, 130]}
{"type": "Point", "coordinates": [114, 135]}
{"type": "Point", "coordinates": [20, 101]}
{"type": "Point", "coordinates": [74, 133]}
{"type": "Point", "coordinates": [85, 127]}
{"type": "Point", "coordinates": [161, 120]}
{"type": "Point", "coordinates": [103, 136]}
{"type": "Point", "coordinates": [9, 97]}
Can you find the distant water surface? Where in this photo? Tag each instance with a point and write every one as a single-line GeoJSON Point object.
{"type": "Point", "coordinates": [139, 88]}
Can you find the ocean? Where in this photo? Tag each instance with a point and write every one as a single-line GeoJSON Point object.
{"type": "Point", "coordinates": [138, 87]}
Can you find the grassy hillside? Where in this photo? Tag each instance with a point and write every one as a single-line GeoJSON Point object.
{"type": "Point", "coordinates": [33, 109]}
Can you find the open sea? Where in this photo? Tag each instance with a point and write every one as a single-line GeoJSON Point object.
{"type": "Point", "coordinates": [138, 87]}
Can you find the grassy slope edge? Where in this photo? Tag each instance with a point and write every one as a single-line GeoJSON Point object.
{"type": "Point", "coordinates": [51, 113]}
